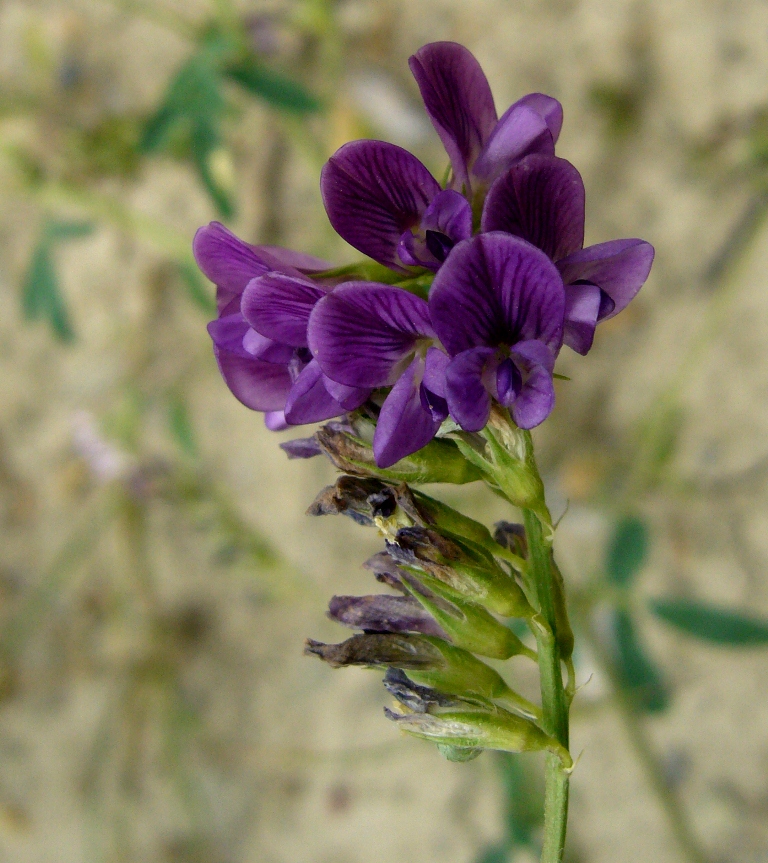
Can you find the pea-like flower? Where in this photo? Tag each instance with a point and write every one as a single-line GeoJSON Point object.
{"type": "Point", "coordinates": [497, 306]}
{"type": "Point", "coordinates": [541, 199]}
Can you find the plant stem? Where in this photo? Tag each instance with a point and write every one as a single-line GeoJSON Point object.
{"type": "Point", "coordinates": [553, 697]}
{"type": "Point", "coordinates": [641, 744]}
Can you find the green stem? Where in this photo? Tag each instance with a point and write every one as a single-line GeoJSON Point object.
{"type": "Point", "coordinates": [553, 697]}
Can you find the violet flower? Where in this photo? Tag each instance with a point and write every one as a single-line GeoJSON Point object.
{"type": "Point", "coordinates": [460, 105]}
{"type": "Point", "coordinates": [541, 199]}
{"type": "Point", "coordinates": [259, 338]}
{"type": "Point", "coordinates": [370, 335]}
{"type": "Point", "coordinates": [497, 306]}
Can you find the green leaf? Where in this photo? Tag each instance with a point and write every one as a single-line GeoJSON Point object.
{"type": "Point", "coordinates": [627, 551]}
{"type": "Point", "coordinates": [524, 799]}
{"type": "Point", "coordinates": [495, 854]}
{"type": "Point", "coordinates": [274, 88]}
{"type": "Point", "coordinates": [637, 672]}
{"type": "Point", "coordinates": [181, 426]}
{"type": "Point", "coordinates": [196, 287]}
{"type": "Point", "coordinates": [712, 623]}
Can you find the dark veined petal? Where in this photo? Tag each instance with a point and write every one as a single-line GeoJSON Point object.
{"type": "Point", "coordinates": [434, 371]}
{"type": "Point", "coordinates": [537, 395]}
{"type": "Point", "coordinates": [497, 289]}
{"type": "Point", "coordinates": [449, 214]}
{"type": "Point", "coordinates": [582, 307]}
{"type": "Point", "coordinates": [459, 102]}
{"type": "Point", "coordinates": [373, 192]}
{"type": "Point", "coordinates": [469, 402]}
{"type": "Point", "coordinates": [279, 306]}
{"type": "Point", "coordinates": [309, 401]}
{"type": "Point", "coordinates": [361, 331]}
{"type": "Point", "coordinates": [540, 199]}
{"type": "Point", "coordinates": [405, 423]}
{"type": "Point", "coordinates": [520, 132]}
{"type": "Point", "coordinates": [619, 268]}
{"type": "Point", "coordinates": [349, 398]}
{"type": "Point", "coordinates": [260, 386]}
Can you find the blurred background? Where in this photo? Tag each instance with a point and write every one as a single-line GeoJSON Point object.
{"type": "Point", "coordinates": [157, 572]}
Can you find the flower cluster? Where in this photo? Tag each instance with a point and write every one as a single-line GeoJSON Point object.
{"type": "Point", "coordinates": [475, 288]}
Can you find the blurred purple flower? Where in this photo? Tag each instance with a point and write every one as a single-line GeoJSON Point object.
{"type": "Point", "coordinates": [369, 335]}
{"type": "Point", "coordinates": [541, 199]}
{"type": "Point", "coordinates": [497, 306]}
{"type": "Point", "coordinates": [460, 105]}
{"type": "Point", "coordinates": [259, 337]}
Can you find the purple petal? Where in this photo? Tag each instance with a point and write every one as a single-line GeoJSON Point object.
{"type": "Point", "coordinates": [521, 131]}
{"type": "Point", "coordinates": [349, 398]}
{"type": "Point", "coordinates": [449, 214]}
{"type": "Point", "coordinates": [508, 382]}
{"type": "Point", "coordinates": [258, 385]}
{"type": "Point", "coordinates": [434, 371]}
{"type": "Point", "coordinates": [228, 332]}
{"type": "Point", "coordinates": [619, 267]}
{"type": "Point", "coordinates": [496, 289]}
{"type": "Point", "coordinates": [537, 396]}
{"type": "Point", "coordinates": [458, 100]}
{"type": "Point", "coordinates": [540, 199]}
{"type": "Point", "coordinates": [262, 348]}
{"type": "Point", "coordinates": [373, 192]}
{"type": "Point", "coordinates": [275, 421]}
{"type": "Point", "coordinates": [383, 613]}
{"type": "Point", "coordinates": [279, 306]}
{"type": "Point", "coordinates": [309, 401]}
{"type": "Point", "coordinates": [582, 308]}
{"type": "Point", "coordinates": [285, 260]}
{"type": "Point", "coordinates": [405, 425]}
{"type": "Point", "coordinates": [302, 447]}
{"type": "Point", "coordinates": [546, 107]}
{"type": "Point", "coordinates": [361, 331]}
{"type": "Point", "coordinates": [468, 400]}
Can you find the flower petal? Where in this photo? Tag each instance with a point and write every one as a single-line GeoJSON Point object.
{"type": "Point", "coordinates": [449, 214]}
{"type": "Point", "coordinates": [548, 108]}
{"type": "Point", "coordinates": [496, 289]}
{"type": "Point", "coordinates": [459, 102]}
{"type": "Point", "coordinates": [262, 348]}
{"type": "Point", "coordinates": [468, 400]}
{"type": "Point", "coordinates": [361, 331]}
{"type": "Point", "coordinates": [302, 447]}
{"type": "Point", "coordinates": [349, 398]}
{"type": "Point", "coordinates": [228, 332]}
{"type": "Point", "coordinates": [279, 307]}
{"type": "Point", "coordinates": [373, 192]}
{"type": "Point", "coordinates": [383, 613]}
{"type": "Point", "coordinates": [619, 267]}
{"type": "Point", "coordinates": [540, 199]}
{"type": "Point", "coordinates": [434, 371]}
{"type": "Point", "coordinates": [521, 131]}
{"type": "Point", "coordinates": [582, 307]}
{"type": "Point", "coordinates": [309, 401]}
{"type": "Point", "coordinates": [537, 396]}
{"type": "Point", "coordinates": [405, 424]}
{"type": "Point", "coordinates": [260, 386]}
{"type": "Point", "coordinates": [275, 421]}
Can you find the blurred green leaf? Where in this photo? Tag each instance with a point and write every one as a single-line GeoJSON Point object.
{"type": "Point", "coordinates": [627, 550]}
{"type": "Point", "coordinates": [712, 623]}
{"type": "Point", "coordinates": [274, 88]}
{"type": "Point", "coordinates": [181, 425]}
{"type": "Point", "coordinates": [196, 287]}
{"type": "Point", "coordinates": [637, 672]}
{"type": "Point", "coordinates": [41, 292]}
{"type": "Point", "coordinates": [495, 854]}
{"type": "Point", "coordinates": [524, 799]}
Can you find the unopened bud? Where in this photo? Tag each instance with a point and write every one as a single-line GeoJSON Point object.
{"type": "Point", "coordinates": [511, 536]}
{"type": "Point", "coordinates": [383, 613]}
{"type": "Point", "coordinates": [386, 571]}
{"type": "Point", "coordinates": [466, 568]}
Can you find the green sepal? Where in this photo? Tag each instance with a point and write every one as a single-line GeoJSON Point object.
{"type": "Point", "coordinates": [458, 754]}
{"type": "Point", "coordinates": [467, 624]}
{"type": "Point", "coordinates": [438, 461]}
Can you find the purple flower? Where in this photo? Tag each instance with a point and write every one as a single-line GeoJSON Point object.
{"type": "Point", "coordinates": [260, 336]}
{"type": "Point", "coordinates": [370, 335]}
{"type": "Point", "coordinates": [541, 199]}
{"type": "Point", "coordinates": [377, 195]}
{"type": "Point", "coordinates": [460, 105]}
{"type": "Point", "coordinates": [497, 306]}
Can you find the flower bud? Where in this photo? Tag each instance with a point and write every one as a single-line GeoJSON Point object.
{"type": "Point", "coordinates": [367, 500]}
{"type": "Point", "coordinates": [439, 461]}
{"type": "Point", "coordinates": [386, 571]}
{"type": "Point", "coordinates": [383, 613]}
{"type": "Point", "coordinates": [466, 568]}
{"type": "Point", "coordinates": [430, 661]}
